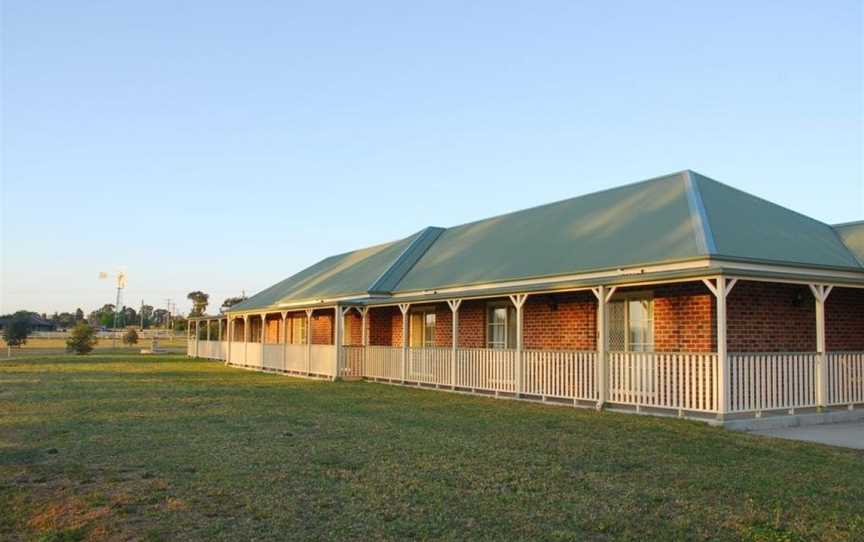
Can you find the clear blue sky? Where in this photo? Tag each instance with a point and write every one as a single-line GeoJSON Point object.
{"type": "Point", "coordinates": [223, 146]}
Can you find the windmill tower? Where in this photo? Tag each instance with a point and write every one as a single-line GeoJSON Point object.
{"type": "Point", "coordinates": [120, 275]}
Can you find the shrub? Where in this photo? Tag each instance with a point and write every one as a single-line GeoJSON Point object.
{"type": "Point", "coordinates": [131, 337]}
{"type": "Point", "coordinates": [82, 339]}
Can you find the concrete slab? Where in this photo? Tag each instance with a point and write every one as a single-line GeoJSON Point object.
{"type": "Point", "coordinates": [847, 435]}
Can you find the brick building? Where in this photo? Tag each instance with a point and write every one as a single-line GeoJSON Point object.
{"type": "Point", "coordinates": [676, 293]}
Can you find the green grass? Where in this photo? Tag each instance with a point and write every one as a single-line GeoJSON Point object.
{"type": "Point", "coordinates": [129, 447]}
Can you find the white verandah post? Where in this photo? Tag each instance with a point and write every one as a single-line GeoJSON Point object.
{"type": "Point", "coordinates": [603, 295]}
{"type": "Point", "coordinates": [721, 288]}
{"type": "Point", "coordinates": [404, 307]}
{"type": "Point", "coordinates": [338, 326]}
{"type": "Point", "coordinates": [229, 327]}
{"type": "Point", "coordinates": [308, 339]}
{"type": "Point", "coordinates": [454, 309]}
{"type": "Point", "coordinates": [284, 340]}
{"type": "Point", "coordinates": [364, 337]}
{"type": "Point", "coordinates": [820, 294]}
{"type": "Point", "coordinates": [246, 336]}
{"type": "Point", "coordinates": [519, 301]}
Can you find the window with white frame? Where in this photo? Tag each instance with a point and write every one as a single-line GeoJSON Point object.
{"type": "Point", "coordinates": [423, 328]}
{"type": "Point", "coordinates": [631, 323]}
{"type": "Point", "coordinates": [298, 330]}
{"type": "Point", "coordinates": [500, 326]}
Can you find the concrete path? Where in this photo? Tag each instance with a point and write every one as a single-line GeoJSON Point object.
{"type": "Point", "coordinates": [848, 435]}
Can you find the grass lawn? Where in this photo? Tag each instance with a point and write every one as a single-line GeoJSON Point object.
{"type": "Point", "coordinates": [109, 447]}
{"type": "Point", "coordinates": [41, 346]}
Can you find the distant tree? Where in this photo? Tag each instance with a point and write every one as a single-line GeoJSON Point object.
{"type": "Point", "coordinates": [129, 316]}
{"type": "Point", "coordinates": [231, 301]}
{"type": "Point", "coordinates": [179, 323]}
{"type": "Point", "coordinates": [147, 313]}
{"type": "Point", "coordinates": [79, 314]}
{"type": "Point", "coordinates": [82, 339]}
{"type": "Point", "coordinates": [199, 302]}
{"type": "Point", "coordinates": [63, 320]}
{"type": "Point", "coordinates": [160, 317]}
{"type": "Point", "coordinates": [17, 329]}
{"type": "Point", "coordinates": [130, 337]}
{"type": "Point", "coordinates": [106, 319]}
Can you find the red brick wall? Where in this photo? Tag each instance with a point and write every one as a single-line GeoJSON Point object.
{"type": "Point", "coordinates": [353, 328]}
{"type": "Point", "coordinates": [769, 317]}
{"type": "Point", "coordinates": [844, 319]}
{"type": "Point", "coordinates": [472, 324]}
{"type": "Point", "coordinates": [561, 322]}
{"type": "Point", "coordinates": [684, 318]}
{"type": "Point", "coordinates": [381, 325]}
{"type": "Point", "coordinates": [322, 327]}
{"type": "Point", "coordinates": [274, 323]}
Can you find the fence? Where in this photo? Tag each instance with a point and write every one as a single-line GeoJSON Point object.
{"type": "Point", "coordinates": [680, 381]}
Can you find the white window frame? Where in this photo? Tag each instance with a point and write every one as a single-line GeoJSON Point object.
{"type": "Point", "coordinates": [626, 298]}
{"type": "Point", "coordinates": [510, 312]}
{"type": "Point", "coordinates": [426, 342]}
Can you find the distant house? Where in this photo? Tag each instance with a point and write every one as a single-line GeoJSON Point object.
{"type": "Point", "coordinates": [37, 323]}
{"type": "Point", "coordinates": [677, 294]}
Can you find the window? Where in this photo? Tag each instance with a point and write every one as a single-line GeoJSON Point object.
{"type": "Point", "coordinates": [501, 326]}
{"type": "Point", "coordinates": [423, 328]}
{"type": "Point", "coordinates": [298, 330]}
{"type": "Point", "coordinates": [631, 324]}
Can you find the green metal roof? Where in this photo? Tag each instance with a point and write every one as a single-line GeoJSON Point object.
{"type": "Point", "coordinates": [746, 227]}
{"type": "Point", "coordinates": [852, 234]}
{"type": "Point", "coordinates": [674, 218]}
{"type": "Point", "coordinates": [352, 273]}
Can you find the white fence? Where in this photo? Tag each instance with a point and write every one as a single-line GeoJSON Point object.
{"type": "Point", "coordinates": [560, 374]}
{"type": "Point", "coordinates": [322, 359]}
{"type": "Point", "coordinates": [295, 357]}
{"type": "Point", "coordinates": [486, 369]}
{"type": "Point", "coordinates": [429, 365]}
{"type": "Point", "coordinates": [772, 381]}
{"type": "Point", "coordinates": [845, 378]}
{"type": "Point", "coordinates": [678, 381]}
{"type": "Point", "coordinates": [351, 364]}
{"type": "Point", "coordinates": [383, 362]}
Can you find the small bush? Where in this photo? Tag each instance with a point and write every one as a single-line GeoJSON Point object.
{"type": "Point", "coordinates": [131, 337]}
{"type": "Point", "coordinates": [82, 339]}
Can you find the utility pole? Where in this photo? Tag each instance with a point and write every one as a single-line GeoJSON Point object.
{"type": "Point", "coordinates": [141, 315]}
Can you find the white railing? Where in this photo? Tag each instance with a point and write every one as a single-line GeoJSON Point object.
{"type": "Point", "coordinates": [560, 374]}
{"type": "Point", "coordinates": [429, 365]}
{"type": "Point", "coordinates": [383, 362]}
{"type": "Point", "coordinates": [238, 353]}
{"type": "Point", "coordinates": [273, 357]}
{"type": "Point", "coordinates": [253, 355]}
{"type": "Point", "coordinates": [295, 357]}
{"type": "Point", "coordinates": [486, 369]}
{"type": "Point", "coordinates": [322, 359]}
{"type": "Point", "coordinates": [679, 381]}
{"type": "Point", "coordinates": [190, 348]}
{"type": "Point", "coordinates": [845, 378]}
{"type": "Point", "coordinates": [772, 381]}
{"type": "Point", "coordinates": [351, 364]}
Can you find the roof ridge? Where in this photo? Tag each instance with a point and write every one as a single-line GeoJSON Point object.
{"type": "Point", "coordinates": [704, 234]}
{"type": "Point", "coordinates": [845, 224]}
{"type": "Point", "coordinates": [556, 202]}
{"type": "Point", "coordinates": [403, 263]}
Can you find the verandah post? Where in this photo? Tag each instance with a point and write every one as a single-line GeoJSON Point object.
{"type": "Point", "coordinates": [246, 336]}
{"type": "Point", "coordinates": [519, 301]}
{"type": "Point", "coordinates": [820, 294]}
{"type": "Point", "coordinates": [284, 340]}
{"type": "Point", "coordinates": [338, 321]}
{"type": "Point", "coordinates": [229, 327]}
{"type": "Point", "coordinates": [454, 341]}
{"type": "Point", "coordinates": [364, 337]}
{"type": "Point", "coordinates": [721, 289]}
{"type": "Point", "coordinates": [601, 376]}
{"type": "Point", "coordinates": [404, 307]}
{"type": "Point", "coordinates": [308, 339]}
